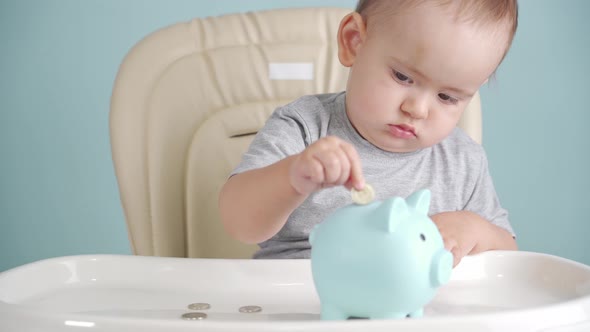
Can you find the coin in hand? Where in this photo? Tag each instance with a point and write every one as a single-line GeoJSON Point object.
{"type": "Point", "coordinates": [363, 196]}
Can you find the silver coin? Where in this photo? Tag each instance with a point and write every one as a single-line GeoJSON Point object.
{"type": "Point", "coordinates": [249, 309]}
{"type": "Point", "coordinates": [199, 306]}
{"type": "Point", "coordinates": [194, 316]}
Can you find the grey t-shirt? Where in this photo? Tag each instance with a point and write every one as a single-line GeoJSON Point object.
{"type": "Point", "coordinates": [455, 170]}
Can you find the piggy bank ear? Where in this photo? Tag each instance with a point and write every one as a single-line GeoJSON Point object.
{"type": "Point", "coordinates": [392, 212]}
{"type": "Point", "coordinates": [420, 201]}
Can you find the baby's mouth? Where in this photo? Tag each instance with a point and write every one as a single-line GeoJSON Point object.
{"type": "Point", "coordinates": [402, 131]}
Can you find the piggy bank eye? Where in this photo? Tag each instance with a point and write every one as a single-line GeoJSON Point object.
{"type": "Point", "coordinates": [422, 237]}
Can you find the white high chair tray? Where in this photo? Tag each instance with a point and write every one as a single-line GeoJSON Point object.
{"type": "Point", "coordinates": [494, 291]}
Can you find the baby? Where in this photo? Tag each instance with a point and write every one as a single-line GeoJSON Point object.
{"type": "Point", "coordinates": [414, 67]}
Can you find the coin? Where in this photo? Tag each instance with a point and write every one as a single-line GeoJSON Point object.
{"type": "Point", "coordinates": [194, 316]}
{"type": "Point", "coordinates": [250, 309]}
{"type": "Point", "coordinates": [363, 196]}
{"type": "Point", "coordinates": [199, 306]}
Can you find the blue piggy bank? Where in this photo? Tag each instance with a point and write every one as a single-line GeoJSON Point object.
{"type": "Point", "coordinates": [382, 260]}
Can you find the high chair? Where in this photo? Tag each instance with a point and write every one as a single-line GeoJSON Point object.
{"type": "Point", "coordinates": [188, 100]}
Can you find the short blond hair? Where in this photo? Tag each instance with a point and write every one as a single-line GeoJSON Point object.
{"type": "Point", "coordinates": [483, 12]}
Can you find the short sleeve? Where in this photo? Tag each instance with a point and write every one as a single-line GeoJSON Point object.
{"type": "Point", "coordinates": [284, 134]}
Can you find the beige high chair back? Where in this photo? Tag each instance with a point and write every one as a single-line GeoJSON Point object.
{"type": "Point", "coordinates": [186, 103]}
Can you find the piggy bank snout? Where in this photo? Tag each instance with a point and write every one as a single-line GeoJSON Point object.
{"type": "Point", "coordinates": [442, 266]}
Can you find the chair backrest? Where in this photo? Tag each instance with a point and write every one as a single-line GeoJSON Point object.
{"type": "Point", "coordinates": [186, 103]}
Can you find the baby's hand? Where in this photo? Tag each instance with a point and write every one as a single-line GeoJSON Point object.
{"type": "Point", "coordinates": [326, 163]}
{"type": "Point", "coordinates": [460, 231]}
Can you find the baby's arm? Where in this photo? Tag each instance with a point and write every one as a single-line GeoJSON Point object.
{"type": "Point", "coordinates": [254, 205]}
{"type": "Point", "coordinates": [465, 233]}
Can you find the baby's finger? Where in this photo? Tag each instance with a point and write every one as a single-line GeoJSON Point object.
{"type": "Point", "coordinates": [457, 256]}
{"type": "Point", "coordinates": [450, 243]}
{"type": "Point", "coordinates": [344, 167]}
{"type": "Point", "coordinates": [356, 178]}
{"type": "Point", "coordinates": [314, 170]}
{"type": "Point", "coordinates": [331, 164]}
{"type": "Point", "coordinates": [453, 247]}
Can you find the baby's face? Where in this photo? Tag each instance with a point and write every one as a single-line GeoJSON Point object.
{"type": "Point", "coordinates": [412, 77]}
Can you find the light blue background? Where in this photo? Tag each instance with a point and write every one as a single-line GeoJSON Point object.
{"type": "Point", "coordinates": [58, 60]}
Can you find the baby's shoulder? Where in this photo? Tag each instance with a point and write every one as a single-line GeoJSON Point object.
{"type": "Point", "coordinates": [461, 145]}
{"type": "Point", "coordinates": [312, 112]}
{"type": "Point", "coordinates": [310, 105]}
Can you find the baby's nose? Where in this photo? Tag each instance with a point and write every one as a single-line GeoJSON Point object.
{"type": "Point", "coordinates": [415, 106]}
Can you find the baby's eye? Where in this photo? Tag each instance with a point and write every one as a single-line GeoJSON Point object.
{"type": "Point", "coordinates": [447, 99]}
{"type": "Point", "coordinates": [402, 78]}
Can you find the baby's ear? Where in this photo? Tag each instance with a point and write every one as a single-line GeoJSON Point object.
{"type": "Point", "coordinates": [351, 34]}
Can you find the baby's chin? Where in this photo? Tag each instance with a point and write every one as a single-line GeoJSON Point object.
{"type": "Point", "coordinates": [387, 143]}
{"type": "Point", "coordinates": [400, 149]}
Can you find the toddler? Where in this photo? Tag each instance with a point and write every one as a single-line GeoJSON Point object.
{"type": "Point", "coordinates": [414, 67]}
